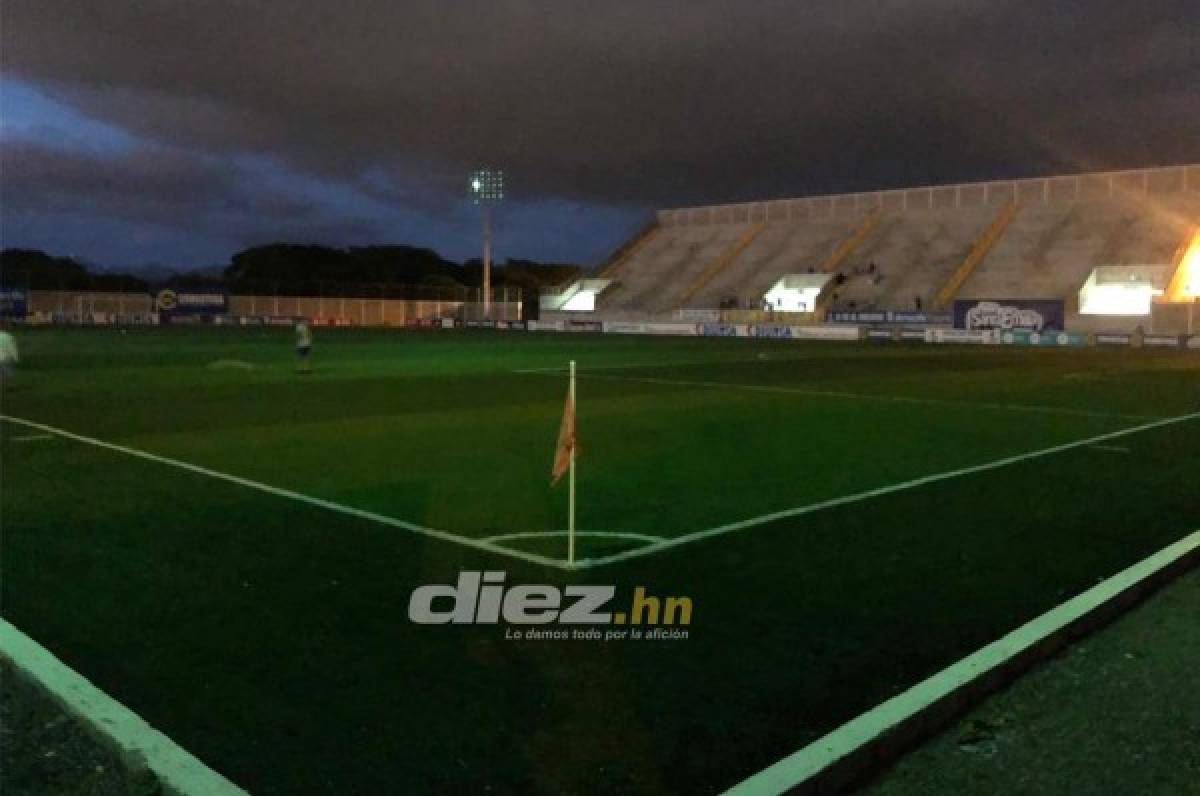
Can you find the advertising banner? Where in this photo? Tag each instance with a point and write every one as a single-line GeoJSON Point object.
{"type": "Point", "coordinates": [671, 328]}
{"type": "Point", "coordinates": [178, 304]}
{"type": "Point", "coordinates": [772, 330]}
{"type": "Point", "coordinates": [826, 333]}
{"type": "Point", "coordinates": [1162, 341]}
{"type": "Point", "coordinates": [1034, 315]}
{"type": "Point", "coordinates": [717, 329]}
{"type": "Point", "coordinates": [892, 316]}
{"type": "Point", "coordinates": [979, 337]}
{"type": "Point", "coordinates": [1022, 337]}
{"type": "Point", "coordinates": [14, 303]}
{"type": "Point", "coordinates": [1113, 339]}
{"type": "Point", "coordinates": [618, 327]}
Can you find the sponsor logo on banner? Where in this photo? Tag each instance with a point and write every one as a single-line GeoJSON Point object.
{"type": "Point", "coordinates": [771, 330]}
{"type": "Point", "coordinates": [671, 328]}
{"type": "Point", "coordinates": [717, 329]}
{"type": "Point", "coordinates": [14, 303]}
{"type": "Point", "coordinates": [959, 336]}
{"type": "Point", "coordinates": [584, 326]}
{"type": "Point", "coordinates": [1022, 337]}
{"type": "Point", "coordinates": [892, 316]}
{"type": "Point", "coordinates": [826, 332]}
{"type": "Point", "coordinates": [912, 334]}
{"type": "Point", "coordinates": [624, 328]}
{"type": "Point", "coordinates": [176, 303]}
{"type": "Point", "coordinates": [1033, 315]}
{"type": "Point", "coordinates": [858, 317]}
{"type": "Point", "coordinates": [1114, 339]}
{"type": "Point", "coordinates": [879, 334]}
{"type": "Point", "coordinates": [1194, 342]}
{"type": "Point", "coordinates": [1161, 341]}
{"type": "Point", "coordinates": [544, 326]}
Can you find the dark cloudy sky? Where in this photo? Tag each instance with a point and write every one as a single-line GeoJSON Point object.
{"type": "Point", "coordinates": [179, 132]}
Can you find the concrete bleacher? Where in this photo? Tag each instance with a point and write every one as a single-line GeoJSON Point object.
{"type": "Point", "coordinates": [914, 254]}
{"type": "Point", "coordinates": [657, 275]}
{"type": "Point", "coordinates": [1029, 238]}
{"type": "Point", "coordinates": [1049, 250]}
{"type": "Point", "coordinates": [781, 249]}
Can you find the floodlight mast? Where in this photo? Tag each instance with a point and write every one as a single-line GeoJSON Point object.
{"type": "Point", "coordinates": [486, 187]}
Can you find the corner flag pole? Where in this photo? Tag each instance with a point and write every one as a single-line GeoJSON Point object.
{"type": "Point", "coordinates": [571, 500]}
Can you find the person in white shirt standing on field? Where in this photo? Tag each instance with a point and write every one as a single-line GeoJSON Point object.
{"type": "Point", "coordinates": [9, 357]}
{"type": "Point", "coordinates": [303, 347]}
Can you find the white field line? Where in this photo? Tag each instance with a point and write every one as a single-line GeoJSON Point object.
{"type": "Point", "coordinates": [637, 537]}
{"type": "Point", "coordinates": [31, 437]}
{"type": "Point", "coordinates": [857, 497]}
{"type": "Point", "coordinates": [649, 549]}
{"type": "Point", "coordinates": [136, 742]}
{"type": "Point", "coordinates": [684, 363]}
{"type": "Point", "coordinates": [898, 399]}
{"type": "Point", "coordinates": [1111, 448]}
{"type": "Point", "coordinates": [328, 505]}
{"type": "Point", "coordinates": [819, 755]}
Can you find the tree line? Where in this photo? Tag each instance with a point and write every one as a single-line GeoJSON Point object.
{"type": "Point", "coordinates": [295, 270]}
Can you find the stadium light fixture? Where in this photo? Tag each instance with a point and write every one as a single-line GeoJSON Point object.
{"type": "Point", "coordinates": [486, 188]}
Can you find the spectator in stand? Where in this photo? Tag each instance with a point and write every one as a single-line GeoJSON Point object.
{"type": "Point", "coordinates": [917, 303]}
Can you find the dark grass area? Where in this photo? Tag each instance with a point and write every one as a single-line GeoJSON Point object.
{"type": "Point", "coordinates": [270, 638]}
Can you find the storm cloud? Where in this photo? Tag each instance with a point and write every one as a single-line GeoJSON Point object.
{"type": "Point", "coordinates": [634, 104]}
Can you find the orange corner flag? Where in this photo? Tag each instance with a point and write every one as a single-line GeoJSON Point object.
{"type": "Point", "coordinates": [566, 442]}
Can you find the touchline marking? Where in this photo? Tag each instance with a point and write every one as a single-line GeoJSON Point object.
{"type": "Point", "coordinates": [638, 537]}
{"type": "Point", "coordinates": [878, 492]}
{"type": "Point", "coordinates": [297, 496]}
{"type": "Point", "coordinates": [855, 734]}
{"type": "Point", "coordinates": [1111, 448]}
{"type": "Point", "coordinates": [899, 399]}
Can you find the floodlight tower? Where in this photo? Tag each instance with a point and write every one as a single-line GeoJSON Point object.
{"type": "Point", "coordinates": [486, 188]}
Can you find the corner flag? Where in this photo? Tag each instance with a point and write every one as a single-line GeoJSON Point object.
{"type": "Point", "coordinates": [566, 441]}
{"type": "Point", "coordinates": [564, 461]}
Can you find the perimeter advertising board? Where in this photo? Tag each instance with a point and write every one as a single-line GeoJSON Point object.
{"type": "Point", "coordinates": [14, 303]}
{"type": "Point", "coordinates": [190, 304]}
{"type": "Point", "coordinates": [1006, 315]}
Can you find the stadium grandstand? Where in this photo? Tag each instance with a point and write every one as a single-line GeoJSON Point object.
{"type": "Point", "coordinates": [1107, 245]}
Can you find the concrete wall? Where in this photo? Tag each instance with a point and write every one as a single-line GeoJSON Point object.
{"type": "Point", "coordinates": [357, 311]}
{"type": "Point", "coordinates": [1101, 185]}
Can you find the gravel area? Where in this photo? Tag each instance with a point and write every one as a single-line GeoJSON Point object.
{"type": "Point", "coordinates": [1116, 713]}
{"type": "Point", "coordinates": [45, 752]}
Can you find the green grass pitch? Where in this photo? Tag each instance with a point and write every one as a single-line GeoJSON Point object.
{"type": "Point", "coordinates": [269, 636]}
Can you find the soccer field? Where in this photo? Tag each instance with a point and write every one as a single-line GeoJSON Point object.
{"type": "Point", "coordinates": [228, 547]}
